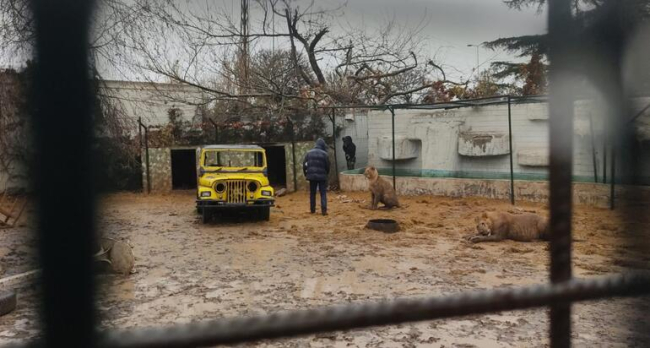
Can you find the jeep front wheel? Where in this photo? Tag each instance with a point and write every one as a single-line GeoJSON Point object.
{"type": "Point", "coordinates": [265, 213]}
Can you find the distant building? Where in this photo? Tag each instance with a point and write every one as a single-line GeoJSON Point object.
{"type": "Point", "coordinates": [151, 102]}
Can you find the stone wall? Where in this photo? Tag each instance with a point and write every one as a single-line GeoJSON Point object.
{"type": "Point", "coordinates": [160, 167]}
{"type": "Point", "coordinates": [301, 150]}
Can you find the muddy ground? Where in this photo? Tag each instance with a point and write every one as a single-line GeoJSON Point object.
{"type": "Point", "coordinates": [187, 271]}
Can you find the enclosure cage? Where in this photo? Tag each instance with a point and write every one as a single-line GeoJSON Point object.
{"type": "Point", "coordinates": [62, 87]}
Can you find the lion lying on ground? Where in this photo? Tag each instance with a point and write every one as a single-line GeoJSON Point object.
{"type": "Point", "coordinates": [496, 226]}
{"type": "Point", "coordinates": [115, 256]}
{"type": "Point", "coordinates": [380, 189]}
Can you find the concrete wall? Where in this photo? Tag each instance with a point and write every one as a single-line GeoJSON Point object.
{"type": "Point", "coordinates": [444, 137]}
{"type": "Point", "coordinates": [355, 125]}
{"type": "Point", "coordinates": [592, 194]}
{"type": "Point", "coordinates": [152, 101]}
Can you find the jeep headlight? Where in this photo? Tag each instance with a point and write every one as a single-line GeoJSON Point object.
{"type": "Point", "coordinates": [205, 194]}
{"type": "Point", "coordinates": [252, 186]}
{"type": "Point", "coordinates": [267, 193]}
{"type": "Point", "coordinates": [220, 187]}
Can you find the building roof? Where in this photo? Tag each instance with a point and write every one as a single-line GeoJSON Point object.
{"type": "Point", "coordinates": [237, 147]}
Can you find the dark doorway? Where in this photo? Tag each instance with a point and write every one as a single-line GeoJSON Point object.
{"type": "Point", "coordinates": [277, 165]}
{"type": "Point", "coordinates": [183, 169]}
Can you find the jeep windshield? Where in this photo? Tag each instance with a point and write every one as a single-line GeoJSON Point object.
{"type": "Point", "coordinates": [234, 161]}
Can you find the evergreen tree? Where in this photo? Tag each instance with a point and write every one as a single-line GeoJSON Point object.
{"type": "Point", "coordinates": [595, 21]}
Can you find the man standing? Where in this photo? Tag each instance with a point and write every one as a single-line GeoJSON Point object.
{"type": "Point", "coordinates": [316, 168]}
{"type": "Point", "coordinates": [350, 151]}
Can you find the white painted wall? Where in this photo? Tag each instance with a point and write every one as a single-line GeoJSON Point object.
{"type": "Point", "coordinates": [151, 101]}
{"type": "Point", "coordinates": [438, 131]}
{"type": "Point", "coordinates": [356, 127]}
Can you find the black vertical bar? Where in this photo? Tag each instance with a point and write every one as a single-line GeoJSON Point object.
{"type": "Point", "coordinates": [336, 162]}
{"type": "Point", "coordinates": [293, 155]}
{"type": "Point", "coordinates": [593, 146]}
{"type": "Point", "coordinates": [146, 151]}
{"type": "Point", "coordinates": [140, 133]}
{"type": "Point", "coordinates": [392, 114]}
{"type": "Point", "coordinates": [604, 159]}
{"type": "Point", "coordinates": [64, 182]}
{"type": "Point", "coordinates": [512, 172]}
{"type": "Point", "coordinates": [612, 193]}
{"type": "Point", "coordinates": [561, 145]}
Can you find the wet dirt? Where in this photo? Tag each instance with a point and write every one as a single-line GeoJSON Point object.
{"type": "Point", "coordinates": [187, 271]}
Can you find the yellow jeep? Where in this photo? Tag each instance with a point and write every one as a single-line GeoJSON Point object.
{"type": "Point", "coordinates": [233, 176]}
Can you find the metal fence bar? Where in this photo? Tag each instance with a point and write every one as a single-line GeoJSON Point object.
{"type": "Point", "coordinates": [291, 324]}
{"type": "Point", "coordinates": [64, 180]}
{"type": "Point", "coordinates": [392, 118]}
{"type": "Point", "coordinates": [512, 170]}
{"type": "Point", "coordinates": [593, 147]}
{"type": "Point", "coordinates": [612, 179]}
{"type": "Point", "coordinates": [336, 161]}
{"type": "Point", "coordinates": [146, 151]}
{"type": "Point", "coordinates": [561, 107]}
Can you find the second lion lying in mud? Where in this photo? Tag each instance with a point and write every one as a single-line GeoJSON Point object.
{"type": "Point", "coordinates": [496, 226]}
{"type": "Point", "coordinates": [380, 189]}
{"type": "Point", "coordinates": [115, 256]}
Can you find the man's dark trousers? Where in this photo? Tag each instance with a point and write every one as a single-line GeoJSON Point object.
{"type": "Point", "coordinates": [322, 187]}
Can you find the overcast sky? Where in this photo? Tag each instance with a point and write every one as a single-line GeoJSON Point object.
{"type": "Point", "coordinates": [453, 24]}
{"type": "Point", "coordinates": [449, 25]}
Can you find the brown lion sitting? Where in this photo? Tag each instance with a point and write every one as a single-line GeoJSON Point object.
{"type": "Point", "coordinates": [496, 226]}
{"type": "Point", "coordinates": [380, 189]}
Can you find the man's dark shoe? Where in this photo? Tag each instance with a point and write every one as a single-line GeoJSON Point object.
{"type": "Point", "coordinates": [324, 213]}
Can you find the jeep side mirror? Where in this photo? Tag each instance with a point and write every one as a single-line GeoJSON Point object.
{"type": "Point", "coordinates": [265, 171]}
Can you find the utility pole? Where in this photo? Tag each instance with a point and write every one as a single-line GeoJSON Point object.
{"type": "Point", "coordinates": [477, 60]}
{"type": "Point", "coordinates": [244, 57]}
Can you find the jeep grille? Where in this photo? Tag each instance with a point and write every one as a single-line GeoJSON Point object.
{"type": "Point", "coordinates": [236, 191]}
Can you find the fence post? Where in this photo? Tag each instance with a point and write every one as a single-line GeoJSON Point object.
{"type": "Point", "coordinates": [561, 111]}
{"type": "Point", "coordinates": [146, 151]}
{"type": "Point", "coordinates": [63, 128]}
{"type": "Point", "coordinates": [612, 193]}
{"type": "Point", "coordinates": [593, 146]}
{"type": "Point", "coordinates": [392, 114]}
{"type": "Point", "coordinates": [336, 162]}
{"type": "Point", "coordinates": [512, 173]}
{"type": "Point", "coordinates": [604, 159]}
{"type": "Point", "coordinates": [293, 154]}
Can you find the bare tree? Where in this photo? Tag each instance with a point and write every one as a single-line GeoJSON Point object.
{"type": "Point", "coordinates": [346, 64]}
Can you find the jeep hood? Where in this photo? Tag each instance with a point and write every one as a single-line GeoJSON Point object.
{"type": "Point", "coordinates": [208, 179]}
